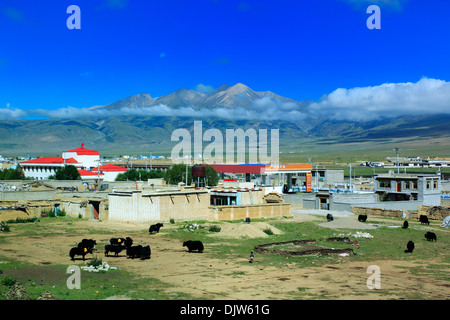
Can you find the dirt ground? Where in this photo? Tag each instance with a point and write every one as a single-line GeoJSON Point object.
{"type": "Point", "coordinates": [204, 277]}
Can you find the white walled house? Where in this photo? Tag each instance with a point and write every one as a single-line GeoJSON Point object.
{"type": "Point", "coordinates": [110, 171]}
{"type": "Point", "coordinates": [43, 168]}
{"type": "Point", "coordinates": [90, 175]}
{"type": "Point", "coordinates": [88, 158]}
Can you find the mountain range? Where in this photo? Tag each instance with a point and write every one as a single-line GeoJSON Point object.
{"type": "Point", "coordinates": [142, 124]}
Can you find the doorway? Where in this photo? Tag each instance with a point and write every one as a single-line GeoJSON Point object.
{"type": "Point", "coordinates": [95, 209]}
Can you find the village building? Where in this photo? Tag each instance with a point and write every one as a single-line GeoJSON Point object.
{"type": "Point", "coordinates": [43, 168]}
{"type": "Point", "coordinates": [89, 159]}
{"type": "Point", "coordinates": [109, 172]}
{"type": "Point", "coordinates": [425, 188]}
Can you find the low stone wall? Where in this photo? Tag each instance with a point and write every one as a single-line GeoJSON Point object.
{"type": "Point", "coordinates": [378, 212]}
{"type": "Point", "coordinates": [434, 212]}
{"type": "Point", "coordinates": [32, 211]}
{"type": "Point", "coordinates": [268, 210]}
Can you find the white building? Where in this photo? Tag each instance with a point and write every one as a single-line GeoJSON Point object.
{"type": "Point", "coordinates": [88, 158]}
{"type": "Point", "coordinates": [110, 171]}
{"type": "Point", "coordinates": [43, 168]}
{"type": "Point", "coordinates": [83, 159]}
{"type": "Point", "coordinates": [90, 175]}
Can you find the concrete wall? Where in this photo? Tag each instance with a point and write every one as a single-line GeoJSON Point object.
{"type": "Point", "coordinates": [394, 205]}
{"type": "Point", "coordinates": [267, 210]}
{"type": "Point", "coordinates": [136, 206]}
{"type": "Point", "coordinates": [27, 195]}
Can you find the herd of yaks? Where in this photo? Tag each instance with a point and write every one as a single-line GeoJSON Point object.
{"type": "Point", "coordinates": [430, 236]}
{"type": "Point", "coordinates": [117, 245]}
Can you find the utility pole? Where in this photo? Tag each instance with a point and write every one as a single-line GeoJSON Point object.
{"type": "Point", "coordinates": [350, 181]}
{"type": "Point", "coordinates": [398, 166]}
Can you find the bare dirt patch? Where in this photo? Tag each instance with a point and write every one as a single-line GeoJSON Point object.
{"type": "Point", "coordinates": [204, 276]}
{"type": "Point", "coordinates": [298, 248]}
{"type": "Point", "coordinates": [249, 230]}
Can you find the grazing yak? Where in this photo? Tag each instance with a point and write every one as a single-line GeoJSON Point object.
{"type": "Point", "coordinates": [410, 247]}
{"type": "Point", "coordinates": [116, 241]}
{"type": "Point", "coordinates": [116, 249]}
{"type": "Point", "coordinates": [117, 245]}
{"type": "Point", "coordinates": [430, 236]}
{"type": "Point", "coordinates": [155, 227]}
{"type": "Point", "coordinates": [134, 251]}
{"type": "Point", "coordinates": [247, 220]}
{"type": "Point", "coordinates": [405, 224]}
{"type": "Point", "coordinates": [78, 251]}
{"type": "Point", "coordinates": [362, 217]}
{"type": "Point", "coordinates": [146, 252]}
{"type": "Point", "coordinates": [139, 252]}
{"type": "Point", "coordinates": [89, 244]}
{"type": "Point", "coordinates": [194, 245]}
{"type": "Point", "coordinates": [424, 219]}
{"type": "Point", "coordinates": [330, 217]}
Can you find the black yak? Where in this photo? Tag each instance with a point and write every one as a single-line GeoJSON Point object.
{"type": "Point", "coordinates": [330, 217]}
{"type": "Point", "coordinates": [424, 219]}
{"type": "Point", "coordinates": [134, 252]}
{"type": "Point", "coordinates": [430, 236]}
{"type": "Point", "coordinates": [113, 248]}
{"type": "Point", "coordinates": [116, 241]}
{"type": "Point", "coordinates": [155, 227]}
{"type": "Point", "coordinates": [146, 252]}
{"type": "Point", "coordinates": [410, 247]}
{"type": "Point", "coordinates": [89, 244]}
{"type": "Point", "coordinates": [78, 251]}
{"type": "Point", "coordinates": [405, 225]}
{"type": "Point", "coordinates": [362, 218]}
{"type": "Point", "coordinates": [194, 245]}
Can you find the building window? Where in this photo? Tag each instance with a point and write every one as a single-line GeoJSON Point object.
{"type": "Point", "coordinates": [435, 184]}
{"type": "Point", "coordinates": [414, 185]}
{"type": "Point", "coordinates": [407, 185]}
{"type": "Point", "coordinates": [428, 184]}
{"type": "Point", "coordinates": [384, 184]}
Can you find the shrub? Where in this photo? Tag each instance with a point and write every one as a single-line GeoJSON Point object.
{"type": "Point", "coordinates": [268, 231]}
{"type": "Point", "coordinates": [4, 227]}
{"type": "Point", "coordinates": [214, 228]}
{"type": "Point", "coordinates": [8, 281]}
{"type": "Point", "coordinates": [172, 221]}
{"type": "Point", "coordinates": [95, 262]}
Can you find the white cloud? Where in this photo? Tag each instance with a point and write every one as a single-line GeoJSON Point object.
{"type": "Point", "coordinates": [427, 96]}
{"type": "Point", "coordinates": [388, 100]}
{"type": "Point", "coordinates": [11, 113]}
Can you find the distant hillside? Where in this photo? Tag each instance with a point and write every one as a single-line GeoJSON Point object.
{"type": "Point", "coordinates": [118, 130]}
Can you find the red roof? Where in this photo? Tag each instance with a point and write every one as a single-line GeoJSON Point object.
{"type": "Point", "coordinates": [111, 168]}
{"type": "Point", "coordinates": [88, 173]}
{"type": "Point", "coordinates": [52, 160]}
{"type": "Point", "coordinates": [84, 152]}
{"type": "Point", "coordinates": [239, 168]}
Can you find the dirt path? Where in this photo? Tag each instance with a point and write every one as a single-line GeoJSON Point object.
{"type": "Point", "coordinates": [205, 277]}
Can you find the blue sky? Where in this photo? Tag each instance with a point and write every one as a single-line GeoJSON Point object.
{"type": "Point", "coordinates": [298, 49]}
